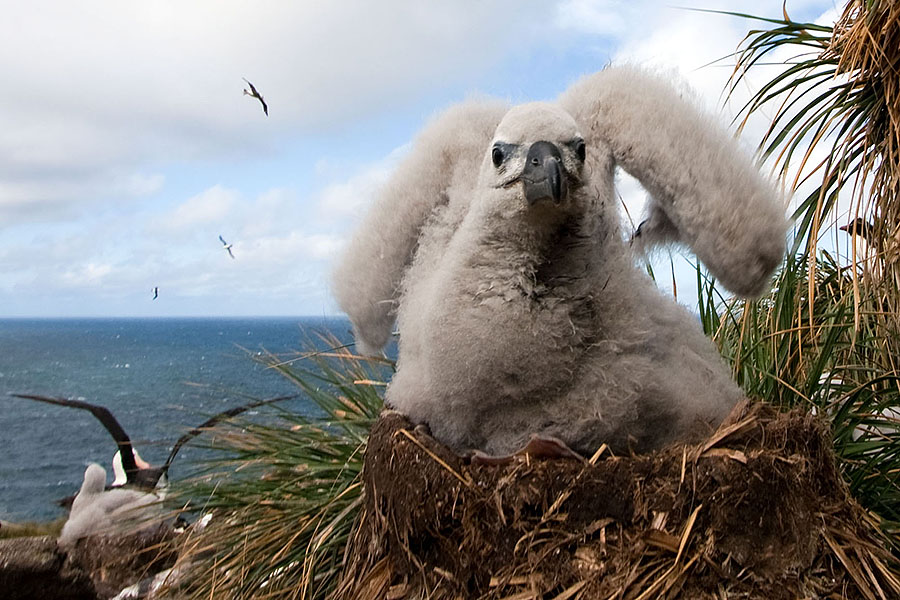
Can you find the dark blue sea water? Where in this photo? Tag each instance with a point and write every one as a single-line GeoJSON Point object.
{"type": "Point", "coordinates": [159, 377]}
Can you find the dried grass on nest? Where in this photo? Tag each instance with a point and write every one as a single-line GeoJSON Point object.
{"type": "Point", "coordinates": [757, 511]}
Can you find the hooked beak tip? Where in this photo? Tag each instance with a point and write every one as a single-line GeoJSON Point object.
{"type": "Point", "coordinates": [551, 186]}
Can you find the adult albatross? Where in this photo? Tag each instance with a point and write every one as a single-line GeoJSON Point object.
{"type": "Point", "coordinates": [138, 473]}
{"type": "Point", "coordinates": [227, 246]}
{"type": "Point", "coordinates": [255, 94]}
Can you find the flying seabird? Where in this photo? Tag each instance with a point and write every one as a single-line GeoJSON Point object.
{"type": "Point", "coordinates": [253, 93]}
{"type": "Point", "coordinates": [155, 293]}
{"type": "Point", "coordinates": [138, 473]}
{"type": "Point", "coordinates": [227, 246]}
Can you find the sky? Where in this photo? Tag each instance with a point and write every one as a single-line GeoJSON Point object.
{"type": "Point", "coordinates": [127, 146]}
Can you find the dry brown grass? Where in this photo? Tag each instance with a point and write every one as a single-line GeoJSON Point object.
{"type": "Point", "coordinates": [866, 47]}
{"type": "Point", "coordinates": [842, 93]}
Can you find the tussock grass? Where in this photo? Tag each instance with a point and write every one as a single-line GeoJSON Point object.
{"type": "Point", "coordinates": [828, 337]}
{"type": "Point", "coordinates": [284, 494]}
{"type": "Point", "coordinates": [825, 361]}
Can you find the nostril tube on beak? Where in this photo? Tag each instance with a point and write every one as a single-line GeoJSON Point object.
{"type": "Point", "coordinates": [543, 176]}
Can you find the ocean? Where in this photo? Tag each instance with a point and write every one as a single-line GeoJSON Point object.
{"type": "Point", "coordinates": [159, 377]}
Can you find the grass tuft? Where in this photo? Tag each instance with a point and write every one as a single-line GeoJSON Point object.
{"type": "Point", "coordinates": [284, 494]}
{"type": "Point", "coordinates": [825, 361]}
{"type": "Point", "coordinates": [827, 338]}
{"type": "Point", "coordinates": [31, 528]}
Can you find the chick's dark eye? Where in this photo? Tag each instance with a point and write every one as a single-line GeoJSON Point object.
{"type": "Point", "coordinates": [579, 150]}
{"type": "Point", "coordinates": [497, 156]}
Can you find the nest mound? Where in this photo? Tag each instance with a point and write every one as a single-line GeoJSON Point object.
{"type": "Point", "coordinates": [758, 510]}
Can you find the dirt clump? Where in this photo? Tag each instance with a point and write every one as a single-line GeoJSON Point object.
{"type": "Point", "coordinates": [117, 561]}
{"type": "Point", "coordinates": [34, 567]}
{"type": "Point", "coordinates": [757, 511]}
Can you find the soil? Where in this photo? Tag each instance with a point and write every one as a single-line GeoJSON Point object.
{"type": "Point", "coordinates": [114, 562]}
{"type": "Point", "coordinates": [759, 510]}
{"type": "Point", "coordinates": [33, 567]}
{"type": "Point", "coordinates": [97, 567]}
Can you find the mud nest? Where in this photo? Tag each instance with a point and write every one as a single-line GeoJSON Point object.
{"type": "Point", "coordinates": [758, 510]}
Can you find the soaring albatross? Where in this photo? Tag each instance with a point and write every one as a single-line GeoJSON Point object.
{"type": "Point", "coordinates": [255, 94]}
{"type": "Point", "coordinates": [227, 246]}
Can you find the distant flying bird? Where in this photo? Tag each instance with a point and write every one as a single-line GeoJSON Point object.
{"type": "Point", "coordinates": [138, 473]}
{"type": "Point", "coordinates": [254, 94]}
{"type": "Point", "coordinates": [155, 293]}
{"type": "Point", "coordinates": [227, 246]}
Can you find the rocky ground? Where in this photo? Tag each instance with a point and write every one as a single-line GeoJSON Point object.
{"type": "Point", "coordinates": [97, 568]}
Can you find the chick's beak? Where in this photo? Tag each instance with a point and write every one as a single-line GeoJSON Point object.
{"type": "Point", "coordinates": [543, 176]}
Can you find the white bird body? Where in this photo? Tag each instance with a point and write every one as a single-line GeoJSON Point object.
{"type": "Point", "coordinates": [227, 246]}
{"type": "Point", "coordinates": [99, 511]}
{"type": "Point", "coordinates": [521, 316]}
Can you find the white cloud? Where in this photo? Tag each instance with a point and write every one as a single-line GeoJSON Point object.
{"type": "Point", "coordinates": [273, 212]}
{"type": "Point", "coordinates": [90, 274]}
{"type": "Point", "coordinates": [349, 197]}
{"type": "Point", "coordinates": [596, 17]}
{"type": "Point", "coordinates": [286, 249]}
{"type": "Point", "coordinates": [139, 184]}
{"type": "Point", "coordinates": [114, 107]}
{"type": "Point", "coordinates": [52, 196]}
{"type": "Point", "coordinates": [100, 85]}
{"type": "Point", "coordinates": [210, 206]}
